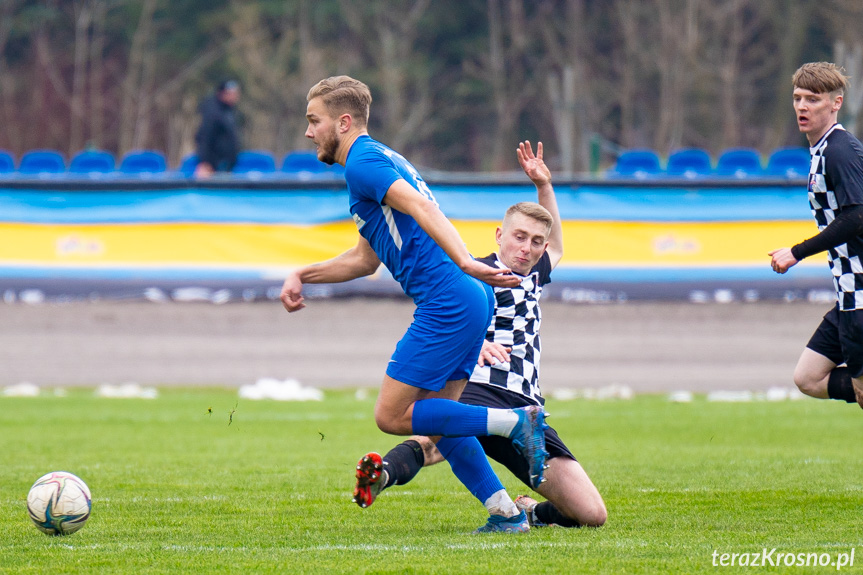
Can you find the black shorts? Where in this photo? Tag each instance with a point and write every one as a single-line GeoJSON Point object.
{"type": "Point", "coordinates": [499, 448]}
{"type": "Point", "coordinates": [839, 338]}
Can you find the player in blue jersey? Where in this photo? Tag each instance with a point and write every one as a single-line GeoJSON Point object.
{"type": "Point", "coordinates": [401, 226]}
{"type": "Point", "coordinates": [831, 365]}
{"type": "Point", "coordinates": [530, 241]}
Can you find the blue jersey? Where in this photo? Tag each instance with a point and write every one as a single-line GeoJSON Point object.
{"type": "Point", "coordinates": [414, 259]}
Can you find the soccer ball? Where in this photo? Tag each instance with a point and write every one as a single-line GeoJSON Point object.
{"type": "Point", "coordinates": [59, 503]}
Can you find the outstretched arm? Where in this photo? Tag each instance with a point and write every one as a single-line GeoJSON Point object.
{"type": "Point", "coordinates": [403, 197]}
{"type": "Point", "coordinates": [359, 261]}
{"type": "Point", "coordinates": [540, 175]}
{"type": "Point", "coordinates": [847, 226]}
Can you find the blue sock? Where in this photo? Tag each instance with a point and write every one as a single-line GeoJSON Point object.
{"type": "Point", "coordinates": [449, 418]}
{"type": "Point", "coordinates": [468, 462]}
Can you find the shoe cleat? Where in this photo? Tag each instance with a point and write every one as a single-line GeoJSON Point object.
{"type": "Point", "coordinates": [369, 485]}
{"type": "Point", "coordinates": [528, 438]}
{"type": "Point", "coordinates": [500, 524]}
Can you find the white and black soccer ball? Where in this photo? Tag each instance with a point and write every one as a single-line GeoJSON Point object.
{"type": "Point", "coordinates": [59, 503]}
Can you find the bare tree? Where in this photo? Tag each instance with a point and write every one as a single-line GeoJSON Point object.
{"type": "Point", "coordinates": [851, 58]}
{"type": "Point", "coordinates": [572, 88]}
{"type": "Point", "coordinates": [8, 80]}
{"type": "Point", "coordinates": [728, 66]}
{"type": "Point", "coordinates": [789, 22]}
{"type": "Point", "coordinates": [182, 124]}
{"type": "Point", "coordinates": [138, 73]}
{"type": "Point", "coordinates": [181, 120]}
{"type": "Point", "coordinates": [401, 70]}
{"type": "Point", "coordinates": [679, 35]}
{"type": "Point", "coordinates": [630, 65]}
{"type": "Point", "coordinates": [737, 63]}
{"type": "Point", "coordinates": [846, 19]}
{"type": "Point", "coordinates": [83, 17]}
{"type": "Point", "coordinates": [97, 74]}
{"type": "Point", "coordinates": [503, 69]}
{"type": "Point", "coordinates": [455, 82]}
{"type": "Point", "coordinates": [51, 129]}
{"type": "Point", "coordinates": [265, 50]}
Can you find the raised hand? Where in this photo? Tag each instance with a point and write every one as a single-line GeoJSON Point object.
{"type": "Point", "coordinates": [532, 164]}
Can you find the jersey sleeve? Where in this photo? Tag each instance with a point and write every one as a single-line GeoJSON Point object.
{"type": "Point", "coordinates": [843, 229]}
{"type": "Point", "coordinates": [372, 174]}
{"type": "Point", "coordinates": [543, 266]}
{"type": "Point", "coordinates": [844, 172]}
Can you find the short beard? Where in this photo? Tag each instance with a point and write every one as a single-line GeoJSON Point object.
{"type": "Point", "coordinates": [329, 147]}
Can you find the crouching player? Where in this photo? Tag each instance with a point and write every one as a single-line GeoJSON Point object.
{"type": "Point", "coordinates": [507, 373]}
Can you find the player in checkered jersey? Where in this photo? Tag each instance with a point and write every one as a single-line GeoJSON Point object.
{"type": "Point", "coordinates": [831, 365]}
{"type": "Point", "coordinates": [507, 372]}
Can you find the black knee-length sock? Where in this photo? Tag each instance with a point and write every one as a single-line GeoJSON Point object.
{"type": "Point", "coordinates": [548, 514]}
{"type": "Point", "coordinates": [840, 386]}
{"type": "Point", "coordinates": [403, 462]}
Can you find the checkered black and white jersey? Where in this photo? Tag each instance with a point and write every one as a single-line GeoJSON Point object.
{"type": "Point", "coordinates": [836, 182]}
{"type": "Point", "coordinates": [515, 324]}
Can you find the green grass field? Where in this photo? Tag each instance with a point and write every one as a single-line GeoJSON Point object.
{"type": "Point", "coordinates": [179, 490]}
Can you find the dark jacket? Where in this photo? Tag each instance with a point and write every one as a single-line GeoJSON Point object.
{"type": "Point", "coordinates": [218, 137]}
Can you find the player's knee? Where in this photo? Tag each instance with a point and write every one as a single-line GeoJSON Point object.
{"type": "Point", "coordinates": [594, 515]}
{"type": "Point", "coordinates": [597, 517]}
{"type": "Point", "coordinates": [585, 510]}
{"type": "Point", "coordinates": [387, 423]}
{"type": "Point", "coordinates": [807, 383]}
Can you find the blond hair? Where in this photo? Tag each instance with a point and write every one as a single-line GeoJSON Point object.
{"type": "Point", "coordinates": [533, 211]}
{"type": "Point", "coordinates": [821, 78]}
{"type": "Point", "coordinates": [344, 95]}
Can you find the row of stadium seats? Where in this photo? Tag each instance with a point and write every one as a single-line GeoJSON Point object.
{"type": "Point", "coordinates": [151, 163]}
{"type": "Point", "coordinates": [255, 164]}
{"type": "Point", "coordinates": [696, 163]}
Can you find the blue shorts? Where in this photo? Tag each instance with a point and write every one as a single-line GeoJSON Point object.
{"type": "Point", "coordinates": [444, 340]}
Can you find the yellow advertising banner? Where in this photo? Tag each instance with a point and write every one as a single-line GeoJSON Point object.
{"type": "Point", "coordinates": [587, 243]}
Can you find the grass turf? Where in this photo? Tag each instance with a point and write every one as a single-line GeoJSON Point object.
{"type": "Point", "coordinates": [179, 489]}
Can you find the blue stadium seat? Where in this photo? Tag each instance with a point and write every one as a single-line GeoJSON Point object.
{"type": "Point", "coordinates": [739, 163]}
{"type": "Point", "coordinates": [789, 163]}
{"type": "Point", "coordinates": [42, 162]}
{"type": "Point", "coordinates": [188, 165]}
{"type": "Point", "coordinates": [689, 163]}
{"type": "Point", "coordinates": [143, 163]}
{"type": "Point", "coordinates": [7, 162]}
{"type": "Point", "coordinates": [254, 163]}
{"type": "Point", "coordinates": [92, 163]}
{"type": "Point", "coordinates": [637, 164]}
{"type": "Point", "coordinates": [303, 162]}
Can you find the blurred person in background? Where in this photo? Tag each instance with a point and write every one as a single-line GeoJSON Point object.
{"type": "Point", "coordinates": [218, 139]}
